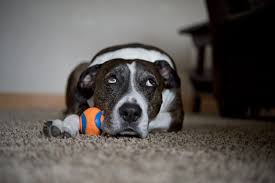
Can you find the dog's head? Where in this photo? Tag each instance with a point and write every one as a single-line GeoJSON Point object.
{"type": "Point", "coordinates": [128, 91]}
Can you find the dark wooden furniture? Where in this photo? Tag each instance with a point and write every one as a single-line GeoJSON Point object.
{"type": "Point", "coordinates": [200, 78]}
{"type": "Point", "coordinates": [242, 33]}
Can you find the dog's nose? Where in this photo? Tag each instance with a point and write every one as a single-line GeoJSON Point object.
{"type": "Point", "coordinates": [130, 112]}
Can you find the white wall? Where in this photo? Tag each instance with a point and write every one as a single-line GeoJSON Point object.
{"type": "Point", "coordinates": [42, 40]}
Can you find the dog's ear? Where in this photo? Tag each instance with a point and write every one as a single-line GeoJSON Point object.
{"type": "Point", "coordinates": [169, 75]}
{"type": "Point", "coordinates": [86, 82]}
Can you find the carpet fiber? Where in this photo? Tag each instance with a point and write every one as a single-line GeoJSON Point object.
{"type": "Point", "coordinates": [208, 149]}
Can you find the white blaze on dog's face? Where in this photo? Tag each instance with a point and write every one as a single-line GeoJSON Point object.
{"type": "Point", "coordinates": [130, 94]}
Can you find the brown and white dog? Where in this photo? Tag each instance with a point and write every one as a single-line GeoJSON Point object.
{"type": "Point", "coordinates": [136, 86]}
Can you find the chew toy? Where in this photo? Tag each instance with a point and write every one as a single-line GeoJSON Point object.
{"type": "Point", "coordinates": [91, 121]}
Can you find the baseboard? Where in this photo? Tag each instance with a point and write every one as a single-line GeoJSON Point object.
{"type": "Point", "coordinates": [16, 101]}
{"type": "Point", "coordinates": [19, 101]}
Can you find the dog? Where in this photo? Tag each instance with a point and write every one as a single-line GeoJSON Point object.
{"type": "Point", "coordinates": [136, 85]}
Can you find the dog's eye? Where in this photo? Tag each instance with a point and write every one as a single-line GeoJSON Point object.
{"type": "Point", "coordinates": [151, 83]}
{"type": "Point", "coordinates": [112, 80]}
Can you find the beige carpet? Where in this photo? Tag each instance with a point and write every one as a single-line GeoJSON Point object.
{"type": "Point", "coordinates": [209, 149]}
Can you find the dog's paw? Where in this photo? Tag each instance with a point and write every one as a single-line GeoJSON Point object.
{"type": "Point", "coordinates": [51, 130]}
{"type": "Point", "coordinates": [66, 135]}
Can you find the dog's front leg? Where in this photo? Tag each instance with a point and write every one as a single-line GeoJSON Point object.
{"type": "Point", "coordinates": [67, 128]}
{"type": "Point", "coordinates": [161, 122]}
{"type": "Point", "coordinates": [168, 121]}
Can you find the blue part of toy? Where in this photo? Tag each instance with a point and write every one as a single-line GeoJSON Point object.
{"type": "Point", "coordinates": [97, 120]}
{"type": "Point", "coordinates": [84, 122]}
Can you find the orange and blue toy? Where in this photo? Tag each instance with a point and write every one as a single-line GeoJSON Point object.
{"type": "Point", "coordinates": [91, 121]}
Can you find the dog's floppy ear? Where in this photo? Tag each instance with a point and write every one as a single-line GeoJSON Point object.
{"type": "Point", "coordinates": [170, 76]}
{"type": "Point", "coordinates": [86, 82]}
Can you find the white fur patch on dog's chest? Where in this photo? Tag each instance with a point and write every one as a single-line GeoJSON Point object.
{"type": "Point", "coordinates": [132, 53]}
{"type": "Point", "coordinates": [167, 98]}
{"type": "Point", "coordinates": [164, 119]}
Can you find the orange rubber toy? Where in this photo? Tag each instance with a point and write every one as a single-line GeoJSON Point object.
{"type": "Point", "coordinates": [91, 121]}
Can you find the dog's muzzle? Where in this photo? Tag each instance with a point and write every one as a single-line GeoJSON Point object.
{"type": "Point", "coordinates": [130, 112]}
